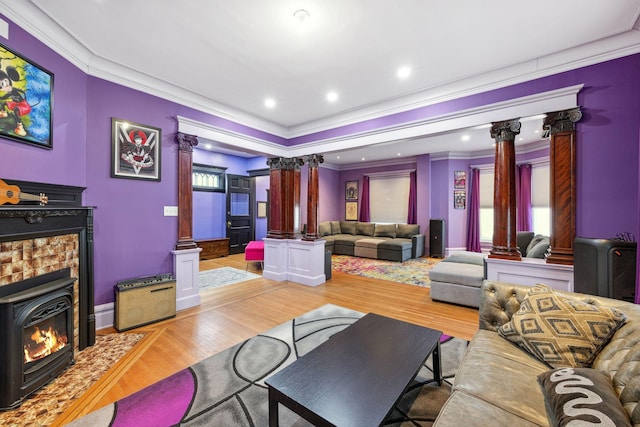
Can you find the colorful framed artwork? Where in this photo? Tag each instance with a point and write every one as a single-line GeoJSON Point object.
{"type": "Point", "coordinates": [460, 180]}
{"type": "Point", "coordinates": [26, 100]}
{"type": "Point", "coordinates": [459, 199]}
{"type": "Point", "coordinates": [351, 190]}
{"type": "Point", "coordinates": [351, 211]}
{"type": "Point", "coordinates": [135, 150]}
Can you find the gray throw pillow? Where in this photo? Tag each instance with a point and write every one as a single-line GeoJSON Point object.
{"type": "Point", "coordinates": [539, 250]}
{"type": "Point", "coordinates": [324, 229]}
{"type": "Point", "coordinates": [581, 396]}
{"type": "Point", "coordinates": [335, 227]}
{"type": "Point", "coordinates": [385, 230]}
{"type": "Point", "coordinates": [534, 241]}
{"type": "Point", "coordinates": [407, 231]}
{"type": "Point", "coordinates": [348, 227]}
{"type": "Point", "coordinates": [365, 228]}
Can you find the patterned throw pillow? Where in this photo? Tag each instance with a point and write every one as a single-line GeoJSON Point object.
{"type": "Point", "coordinates": [563, 332]}
{"type": "Point", "coordinates": [581, 396]}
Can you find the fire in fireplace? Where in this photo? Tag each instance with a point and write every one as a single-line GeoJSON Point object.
{"type": "Point", "coordinates": [36, 329]}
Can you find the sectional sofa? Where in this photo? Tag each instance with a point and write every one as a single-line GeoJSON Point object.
{"type": "Point", "coordinates": [392, 242]}
{"type": "Point", "coordinates": [543, 357]}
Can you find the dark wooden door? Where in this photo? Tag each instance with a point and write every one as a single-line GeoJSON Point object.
{"type": "Point", "coordinates": [240, 212]}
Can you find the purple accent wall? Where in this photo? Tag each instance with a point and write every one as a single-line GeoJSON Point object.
{"type": "Point", "coordinates": [133, 238]}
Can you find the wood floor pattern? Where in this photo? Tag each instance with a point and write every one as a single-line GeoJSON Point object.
{"type": "Point", "coordinates": [231, 314]}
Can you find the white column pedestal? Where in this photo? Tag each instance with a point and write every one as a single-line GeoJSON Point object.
{"type": "Point", "coordinates": [297, 260]}
{"type": "Point", "coordinates": [531, 271]}
{"type": "Point", "coordinates": [186, 265]}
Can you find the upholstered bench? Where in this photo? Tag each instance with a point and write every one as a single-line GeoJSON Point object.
{"type": "Point", "coordinates": [458, 278]}
{"type": "Point", "coordinates": [367, 248]}
{"type": "Point", "coordinates": [254, 252]}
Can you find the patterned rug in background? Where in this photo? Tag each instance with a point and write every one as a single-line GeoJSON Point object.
{"type": "Point", "coordinates": [412, 272]}
{"type": "Point", "coordinates": [45, 405]}
{"type": "Point", "coordinates": [223, 276]}
{"type": "Point", "coordinates": [228, 389]}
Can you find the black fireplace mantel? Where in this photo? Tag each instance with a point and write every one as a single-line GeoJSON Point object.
{"type": "Point", "coordinates": [62, 216]}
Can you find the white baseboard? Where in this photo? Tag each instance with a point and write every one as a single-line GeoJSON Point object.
{"type": "Point", "coordinates": [105, 315]}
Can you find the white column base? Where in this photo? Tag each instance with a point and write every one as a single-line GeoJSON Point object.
{"type": "Point", "coordinates": [297, 260]}
{"type": "Point", "coordinates": [186, 266]}
{"type": "Point", "coordinates": [530, 272]}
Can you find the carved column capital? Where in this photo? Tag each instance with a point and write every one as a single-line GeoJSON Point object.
{"type": "Point", "coordinates": [505, 130]}
{"type": "Point", "coordinates": [186, 142]}
{"type": "Point", "coordinates": [561, 121]}
{"type": "Point", "coordinates": [286, 163]}
{"type": "Point", "coordinates": [314, 160]}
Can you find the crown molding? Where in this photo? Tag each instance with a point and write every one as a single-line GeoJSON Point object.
{"type": "Point", "coordinates": [37, 23]}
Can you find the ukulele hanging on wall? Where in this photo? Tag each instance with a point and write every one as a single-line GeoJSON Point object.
{"type": "Point", "coordinates": [12, 194]}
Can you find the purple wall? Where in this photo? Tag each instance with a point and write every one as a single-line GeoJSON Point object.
{"type": "Point", "coordinates": [133, 238]}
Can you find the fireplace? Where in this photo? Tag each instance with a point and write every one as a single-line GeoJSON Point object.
{"type": "Point", "coordinates": [46, 288]}
{"type": "Point", "coordinates": [36, 336]}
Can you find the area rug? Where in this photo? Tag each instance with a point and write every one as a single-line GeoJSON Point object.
{"type": "Point", "coordinates": [45, 405]}
{"type": "Point", "coordinates": [224, 276]}
{"type": "Point", "coordinates": [228, 389]}
{"type": "Point", "coordinates": [413, 271]}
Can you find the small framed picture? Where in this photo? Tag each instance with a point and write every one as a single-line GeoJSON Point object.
{"type": "Point", "coordinates": [459, 179]}
{"type": "Point", "coordinates": [135, 150]}
{"type": "Point", "coordinates": [262, 210]}
{"type": "Point", "coordinates": [351, 211]}
{"type": "Point", "coordinates": [351, 190]}
{"type": "Point", "coordinates": [459, 199]}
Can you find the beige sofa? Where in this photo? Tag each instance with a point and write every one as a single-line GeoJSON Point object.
{"type": "Point", "coordinates": [392, 242]}
{"type": "Point", "coordinates": [497, 384]}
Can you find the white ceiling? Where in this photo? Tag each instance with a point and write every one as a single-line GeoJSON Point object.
{"type": "Point", "coordinates": [226, 57]}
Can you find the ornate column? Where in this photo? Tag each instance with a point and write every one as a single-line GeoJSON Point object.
{"type": "Point", "coordinates": [561, 126]}
{"type": "Point", "coordinates": [504, 191]}
{"type": "Point", "coordinates": [186, 254]}
{"type": "Point", "coordinates": [312, 196]}
{"type": "Point", "coordinates": [185, 190]}
{"type": "Point", "coordinates": [284, 204]}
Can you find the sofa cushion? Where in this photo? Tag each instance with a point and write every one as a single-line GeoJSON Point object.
{"type": "Point", "coordinates": [348, 227]}
{"type": "Point", "coordinates": [461, 274]}
{"type": "Point", "coordinates": [365, 228]}
{"type": "Point", "coordinates": [539, 249]}
{"type": "Point", "coordinates": [563, 332]}
{"type": "Point", "coordinates": [324, 229]}
{"type": "Point", "coordinates": [466, 257]}
{"type": "Point", "coordinates": [534, 241]}
{"type": "Point", "coordinates": [581, 396]}
{"type": "Point", "coordinates": [385, 230]}
{"type": "Point", "coordinates": [407, 231]}
{"type": "Point", "coordinates": [335, 227]}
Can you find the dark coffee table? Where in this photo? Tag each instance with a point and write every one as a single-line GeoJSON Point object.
{"type": "Point", "coordinates": [357, 376]}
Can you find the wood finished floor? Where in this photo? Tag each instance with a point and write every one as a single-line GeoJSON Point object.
{"type": "Point", "coordinates": [229, 315]}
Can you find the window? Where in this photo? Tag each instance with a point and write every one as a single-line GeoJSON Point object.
{"type": "Point", "coordinates": [540, 205]}
{"type": "Point", "coordinates": [486, 205]}
{"type": "Point", "coordinates": [389, 201]}
{"type": "Point", "coordinates": [208, 178]}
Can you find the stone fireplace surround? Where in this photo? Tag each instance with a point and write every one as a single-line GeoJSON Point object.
{"type": "Point", "coordinates": [36, 239]}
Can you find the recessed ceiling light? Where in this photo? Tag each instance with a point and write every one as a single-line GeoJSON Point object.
{"type": "Point", "coordinates": [332, 96]}
{"type": "Point", "coordinates": [270, 103]}
{"type": "Point", "coordinates": [208, 146]}
{"type": "Point", "coordinates": [337, 157]}
{"type": "Point", "coordinates": [465, 137]}
{"type": "Point", "coordinates": [399, 154]}
{"type": "Point", "coordinates": [363, 159]}
{"type": "Point", "coordinates": [403, 72]}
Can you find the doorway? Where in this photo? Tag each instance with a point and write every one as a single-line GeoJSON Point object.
{"type": "Point", "coordinates": [240, 212]}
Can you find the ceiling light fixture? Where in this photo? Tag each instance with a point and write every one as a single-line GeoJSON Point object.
{"type": "Point", "coordinates": [270, 103]}
{"type": "Point", "coordinates": [332, 96]}
{"type": "Point", "coordinates": [403, 72]}
{"type": "Point", "coordinates": [465, 137]}
{"type": "Point", "coordinates": [301, 15]}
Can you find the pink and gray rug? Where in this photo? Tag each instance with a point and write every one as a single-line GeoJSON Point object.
{"type": "Point", "coordinates": [413, 271]}
{"type": "Point", "coordinates": [227, 389]}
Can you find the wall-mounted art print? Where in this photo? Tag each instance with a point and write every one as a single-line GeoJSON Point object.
{"type": "Point", "coordinates": [26, 100]}
{"type": "Point", "coordinates": [262, 210]}
{"type": "Point", "coordinates": [460, 179]}
{"type": "Point", "coordinates": [459, 199]}
{"type": "Point", "coordinates": [135, 150]}
{"type": "Point", "coordinates": [351, 190]}
{"type": "Point", "coordinates": [351, 211]}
